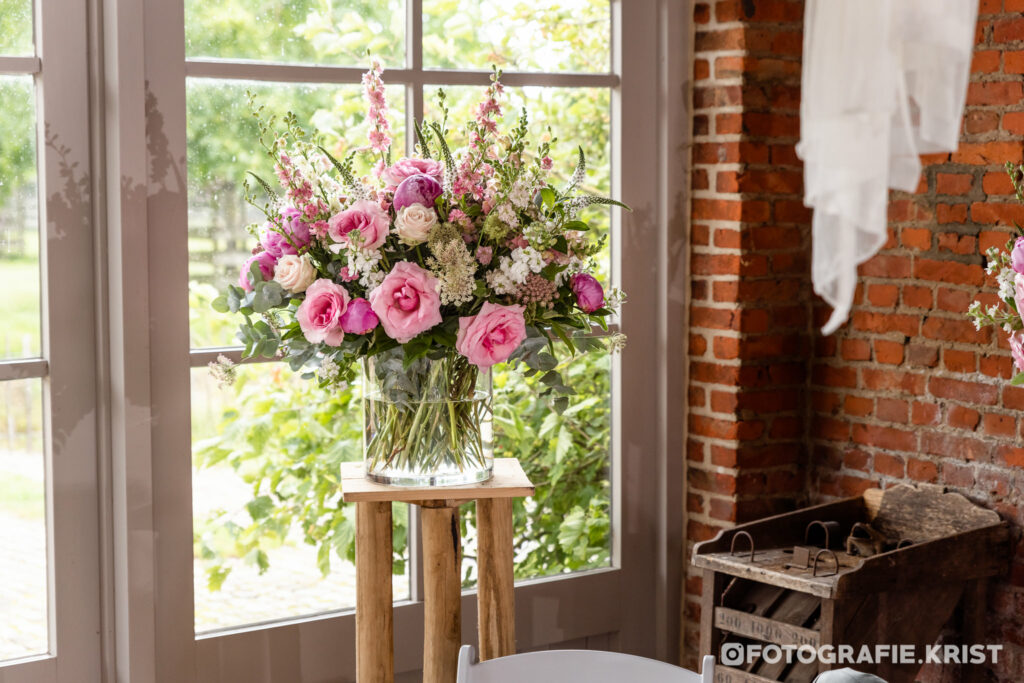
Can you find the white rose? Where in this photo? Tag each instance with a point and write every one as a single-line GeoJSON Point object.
{"type": "Point", "coordinates": [294, 273]}
{"type": "Point", "coordinates": [415, 222]}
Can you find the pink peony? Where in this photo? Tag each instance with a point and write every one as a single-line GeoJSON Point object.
{"type": "Point", "coordinates": [588, 291]}
{"type": "Point", "coordinates": [297, 229]}
{"type": "Point", "coordinates": [404, 168]}
{"type": "Point", "coordinates": [484, 255]}
{"type": "Point", "coordinates": [358, 318]}
{"type": "Point", "coordinates": [276, 244]}
{"type": "Point", "coordinates": [1017, 350]}
{"type": "Point", "coordinates": [320, 314]}
{"type": "Point", "coordinates": [417, 189]}
{"type": "Point", "coordinates": [267, 263]}
{"type": "Point", "coordinates": [365, 216]}
{"type": "Point", "coordinates": [491, 335]}
{"type": "Point", "coordinates": [1017, 256]}
{"type": "Point", "coordinates": [406, 302]}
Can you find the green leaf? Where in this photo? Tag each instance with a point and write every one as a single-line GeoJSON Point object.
{"type": "Point", "coordinates": [547, 195]}
{"type": "Point", "coordinates": [220, 304]}
{"type": "Point", "coordinates": [1018, 380]}
{"type": "Point", "coordinates": [260, 507]}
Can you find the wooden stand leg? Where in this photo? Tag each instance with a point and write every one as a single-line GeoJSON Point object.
{"type": "Point", "coordinates": [442, 588]}
{"type": "Point", "coordinates": [375, 640]}
{"type": "Point", "coordinates": [496, 590]}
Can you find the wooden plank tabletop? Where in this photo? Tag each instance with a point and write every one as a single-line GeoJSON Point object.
{"type": "Point", "coordinates": [508, 481]}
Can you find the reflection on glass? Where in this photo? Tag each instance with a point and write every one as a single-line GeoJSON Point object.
{"type": "Point", "coordinates": [517, 35]}
{"type": "Point", "coordinates": [336, 32]}
{"type": "Point", "coordinates": [23, 598]}
{"type": "Point", "coordinates": [272, 540]}
{"type": "Point", "coordinates": [566, 525]}
{"type": "Point", "coordinates": [19, 224]}
{"type": "Point", "coordinates": [223, 144]}
{"type": "Point", "coordinates": [16, 27]}
{"type": "Point", "coordinates": [572, 117]}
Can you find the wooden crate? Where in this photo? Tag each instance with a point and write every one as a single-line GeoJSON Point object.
{"type": "Point", "coordinates": [903, 596]}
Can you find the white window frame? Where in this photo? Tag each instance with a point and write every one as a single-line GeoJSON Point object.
{"type": "Point", "coordinates": [68, 361]}
{"type": "Point", "coordinates": [149, 594]}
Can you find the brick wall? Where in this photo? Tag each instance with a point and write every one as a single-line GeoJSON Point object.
{"type": "Point", "coordinates": [908, 390]}
{"type": "Point", "coordinates": [750, 311]}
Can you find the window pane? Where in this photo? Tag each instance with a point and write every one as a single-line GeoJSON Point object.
{"type": "Point", "coordinates": [566, 525]}
{"type": "Point", "coordinates": [19, 224]}
{"type": "Point", "coordinates": [518, 35]}
{"type": "Point", "coordinates": [297, 31]}
{"type": "Point", "coordinates": [16, 27]}
{"type": "Point", "coordinates": [272, 540]}
{"type": "Point", "coordinates": [223, 145]}
{"type": "Point", "coordinates": [574, 117]}
{"type": "Point", "coordinates": [23, 597]}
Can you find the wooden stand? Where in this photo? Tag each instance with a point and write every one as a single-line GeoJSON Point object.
{"type": "Point", "coordinates": [442, 569]}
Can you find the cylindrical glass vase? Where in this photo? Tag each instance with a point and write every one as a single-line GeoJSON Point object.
{"type": "Point", "coordinates": [428, 424]}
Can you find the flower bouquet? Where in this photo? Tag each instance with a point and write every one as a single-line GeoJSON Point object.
{"type": "Point", "coordinates": [1007, 265]}
{"type": "Point", "coordinates": [429, 269]}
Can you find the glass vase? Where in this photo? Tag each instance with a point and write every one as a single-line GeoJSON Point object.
{"type": "Point", "coordinates": [428, 424]}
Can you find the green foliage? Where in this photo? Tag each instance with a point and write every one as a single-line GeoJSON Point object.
{"type": "Point", "coordinates": [286, 437]}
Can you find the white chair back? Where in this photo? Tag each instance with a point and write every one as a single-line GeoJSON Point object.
{"type": "Point", "coordinates": [592, 666]}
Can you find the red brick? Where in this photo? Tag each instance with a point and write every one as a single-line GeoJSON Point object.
{"type": "Point", "coordinates": [1013, 122]}
{"type": "Point", "coordinates": [987, 153]}
{"type": "Point", "coordinates": [959, 361]}
{"type": "Point", "coordinates": [1007, 30]}
{"type": "Point", "coordinates": [962, 417]}
{"type": "Point", "coordinates": [888, 438]}
{"type": "Point", "coordinates": [958, 390]}
{"type": "Point", "coordinates": [701, 13]}
{"type": "Point", "coordinates": [917, 297]}
{"type": "Point", "coordinates": [888, 352]}
{"type": "Point", "coordinates": [889, 465]}
{"type": "Point", "coordinates": [856, 349]}
{"type": "Point", "coordinates": [985, 61]}
{"type": "Point", "coordinates": [892, 410]}
{"type": "Point", "coordinates": [916, 238]}
{"type": "Point", "coordinates": [924, 413]}
{"type": "Point", "coordinates": [985, 121]}
{"type": "Point", "coordinates": [922, 470]}
{"type": "Point", "coordinates": [1000, 425]}
{"type": "Point", "coordinates": [858, 406]}
{"type": "Point", "coordinates": [883, 296]}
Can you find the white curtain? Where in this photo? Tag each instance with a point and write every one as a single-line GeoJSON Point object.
{"type": "Point", "coordinates": [883, 82]}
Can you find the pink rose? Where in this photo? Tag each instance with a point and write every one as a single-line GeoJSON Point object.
{"type": "Point", "coordinates": [406, 302]}
{"type": "Point", "coordinates": [588, 291]}
{"type": "Point", "coordinates": [1017, 350]}
{"type": "Point", "coordinates": [358, 318]}
{"type": "Point", "coordinates": [1018, 292]}
{"type": "Point", "coordinates": [320, 314]}
{"type": "Point", "coordinates": [365, 216]}
{"type": "Point", "coordinates": [1017, 255]}
{"type": "Point", "coordinates": [491, 335]}
{"type": "Point", "coordinates": [267, 262]}
{"type": "Point", "coordinates": [403, 168]}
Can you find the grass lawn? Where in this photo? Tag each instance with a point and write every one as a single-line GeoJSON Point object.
{"type": "Point", "coordinates": [19, 281]}
{"type": "Point", "coordinates": [21, 497]}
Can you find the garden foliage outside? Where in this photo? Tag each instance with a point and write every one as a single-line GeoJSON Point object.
{"type": "Point", "coordinates": [285, 436]}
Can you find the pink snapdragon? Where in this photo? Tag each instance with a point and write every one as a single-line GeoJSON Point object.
{"type": "Point", "coordinates": [373, 87]}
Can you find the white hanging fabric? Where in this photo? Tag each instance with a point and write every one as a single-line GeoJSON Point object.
{"type": "Point", "coordinates": [883, 82]}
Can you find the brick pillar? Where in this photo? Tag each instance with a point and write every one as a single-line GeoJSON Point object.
{"type": "Point", "coordinates": [750, 311]}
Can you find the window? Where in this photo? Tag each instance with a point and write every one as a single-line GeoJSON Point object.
{"type": "Point", "coordinates": [199, 60]}
{"type": "Point", "coordinates": [48, 504]}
